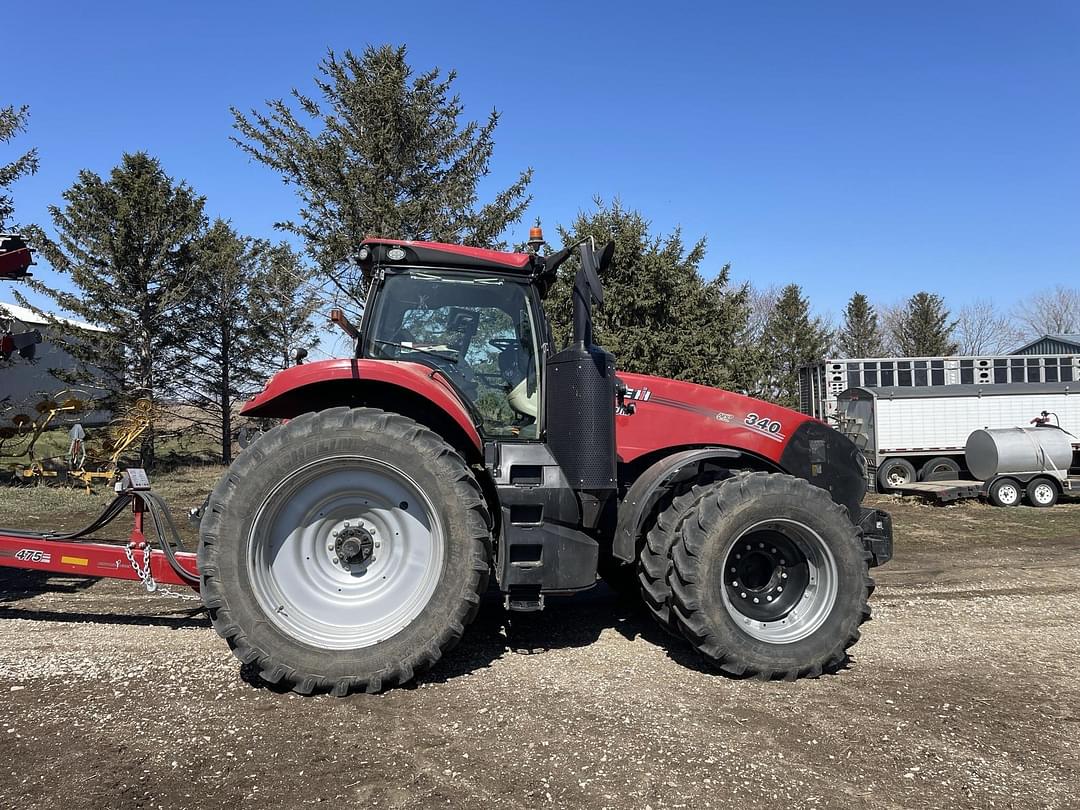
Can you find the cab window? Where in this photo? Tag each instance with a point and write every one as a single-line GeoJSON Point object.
{"type": "Point", "coordinates": [479, 331]}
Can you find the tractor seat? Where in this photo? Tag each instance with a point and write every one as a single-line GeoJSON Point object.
{"type": "Point", "coordinates": [522, 401]}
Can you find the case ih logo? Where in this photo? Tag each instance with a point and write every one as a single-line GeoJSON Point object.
{"type": "Point", "coordinates": [33, 555]}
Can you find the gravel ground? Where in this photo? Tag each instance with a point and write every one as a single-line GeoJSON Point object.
{"type": "Point", "coordinates": [962, 693]}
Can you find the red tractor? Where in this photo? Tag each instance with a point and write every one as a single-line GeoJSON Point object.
{"type": "Point", "coordinates": [348, 548]}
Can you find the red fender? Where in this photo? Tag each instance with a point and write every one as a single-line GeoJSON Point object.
{"type": "Point", "coordinates": [326, 383]}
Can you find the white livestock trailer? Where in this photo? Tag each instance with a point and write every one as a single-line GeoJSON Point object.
{"type": "Point", "coordinates": [919, 434]}
{"type": "Point", "coordinates": [821, 383]}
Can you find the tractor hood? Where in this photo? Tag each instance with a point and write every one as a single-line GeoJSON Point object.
{"type": "Point", "coordinates": [670, 414]}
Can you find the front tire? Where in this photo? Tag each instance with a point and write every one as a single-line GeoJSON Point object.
{"type": "Point", "coordinates": [770, 578]}
{"type": "Point", "coordinates": [1004, 492]}
{"type": "Point", "coordinates": [343, 551]}
{"type": "Point", "coordinates": [654, 560]}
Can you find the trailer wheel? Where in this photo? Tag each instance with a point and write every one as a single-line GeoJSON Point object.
{"type": "Point", "coordinates": [1004, 492]}
{"type": "Point", "coordinates": [941, 468]}
{"type": "Point", "coordinates": [1042, 492]}
{"type": "Point", "coordinates": [654, 560]}
{"type": "Point", "coordinates": [895, 472]}
{"type": "Point", "coordinates": [345, 550]}
{"type": "Point", "coordinates": [770, 578]}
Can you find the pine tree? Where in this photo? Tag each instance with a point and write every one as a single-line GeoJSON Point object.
{"type": "Point", "coordinates": [660, 316]}
{"type": "Point", "coordinates": [382, 153]}
{"type": "Point", "coordinates": [12, 122]}
{"type": "Point", "coordinates": [925, 329]}
{"type": "Point", "coordinates": [222, 340]}
{"type": "Point", "coordinates": [284, 303]}
{"type": "Point", "coordinates": [126, 243]}
{"type": "Point", "coordinates": [860, 334]}
{"type": "Point", "coordinates": [794, 338]}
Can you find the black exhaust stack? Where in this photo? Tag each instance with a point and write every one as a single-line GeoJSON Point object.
{"type": "Point", "coordinates": [580, 398]}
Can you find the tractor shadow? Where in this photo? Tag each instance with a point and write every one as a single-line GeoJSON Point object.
{"type": "Point", "coordinates": [566, 622]}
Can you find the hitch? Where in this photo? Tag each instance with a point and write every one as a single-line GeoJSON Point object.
{"type": "Point", "coordinates": [80, 553]}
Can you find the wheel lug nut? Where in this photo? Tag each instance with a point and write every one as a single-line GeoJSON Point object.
{"type": "Point", "coordinates": [743, 595]}
{"type": "Point", "coordinates": [756, 600]}
{"type": "Point", "coordinates": [783, 575]}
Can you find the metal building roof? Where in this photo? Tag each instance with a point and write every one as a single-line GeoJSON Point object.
{"type": "Point", "coordinates": [1052, 344]}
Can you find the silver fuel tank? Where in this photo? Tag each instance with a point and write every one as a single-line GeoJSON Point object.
{"type": "Point", "coordinates": [995, 451]}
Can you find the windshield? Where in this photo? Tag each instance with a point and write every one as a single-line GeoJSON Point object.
{"type": "Point", "coordinates": [479, 331]}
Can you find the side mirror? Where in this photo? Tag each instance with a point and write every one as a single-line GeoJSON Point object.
{"type": "Point", "coordinates": [607, 253]}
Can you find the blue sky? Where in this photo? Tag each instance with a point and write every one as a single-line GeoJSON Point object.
{"type": "Point", "coordinates": [844, 145]}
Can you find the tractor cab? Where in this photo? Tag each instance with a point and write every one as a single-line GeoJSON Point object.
{"type": "Point", "coordinates": [483, 332]}
{"type": "Point", "coordinates": [546, 417]}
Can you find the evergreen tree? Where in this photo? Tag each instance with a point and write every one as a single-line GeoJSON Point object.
{"type": "Point", "coordinates": [860, 334]}
{"type": "Point", "coordinates": [660, 316]}
{"type": "Point", "coordinates": [12, 122]}
{"type": "Point", "coordinates": [127, 245]}
{"type": "Point", "coordinates": [383, 153]}
{"type": "Point", "coordinates": [925, 329]}
{"type": "Point", "coordinates": [794, 338]}
{"type": "Point", "coordinates": [284, 303]}
{"type": "Point", "coordinates": [222, 339]}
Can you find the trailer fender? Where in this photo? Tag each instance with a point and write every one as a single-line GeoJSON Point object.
{"type": "Point", "coordinates": [651, 485]}
{"type": "Point", "coordinates": [411, 389]}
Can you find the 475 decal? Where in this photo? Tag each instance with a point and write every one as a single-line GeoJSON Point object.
{"type": "Point", "coordinates": [33, 555]}
{"type": "Point", "coordinates": [772, 428]}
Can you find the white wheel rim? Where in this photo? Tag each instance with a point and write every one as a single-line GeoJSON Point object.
{"type": "Point", "coordinates": [1008, 494]}
{"type": "Point", "coordinates": [1044, 493]}
{"type": "Point", "coordinates": [307, 590]}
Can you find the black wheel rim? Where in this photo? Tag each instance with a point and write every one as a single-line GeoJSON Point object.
{"type": "Point", "coordinates": [779, 581]}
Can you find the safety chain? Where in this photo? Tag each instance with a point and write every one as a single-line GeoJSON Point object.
{"type": "Point", "coordinates": [147, 579]}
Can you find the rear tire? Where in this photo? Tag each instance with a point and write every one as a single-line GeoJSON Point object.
{"type": "Point", "coordinates": [1042, 492]}
{"type": "Point", "coordinates": [362, 615]}
{"type": "Point", "coordinates": [1004, 492]}
{"type": "Point", "coordinates": [939, 469]}
{"type": "Point", "coordinates": [895, 472]}
{"type": "Point", "coordinates": [802, 586]}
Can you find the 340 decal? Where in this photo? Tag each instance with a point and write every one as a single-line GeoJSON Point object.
{"type": "Point", "coordinates": [763, 424]}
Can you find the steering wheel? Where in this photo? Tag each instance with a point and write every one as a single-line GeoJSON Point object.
{"type": "Point", "coordinates": [502, 344]}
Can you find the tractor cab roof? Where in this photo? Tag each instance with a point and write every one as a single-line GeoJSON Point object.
{"type": "Point", "coordinates": [376, 252]}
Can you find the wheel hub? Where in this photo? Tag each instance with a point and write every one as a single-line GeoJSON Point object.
{"type": "Point", "coordinates": [354, 545]}
{"type": "Point", "coordinates": [766, 576]}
